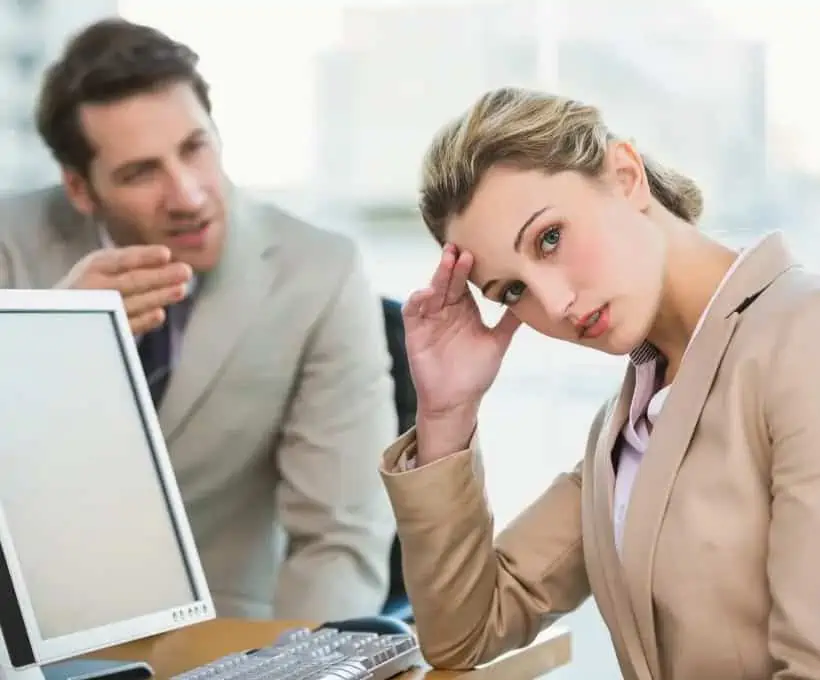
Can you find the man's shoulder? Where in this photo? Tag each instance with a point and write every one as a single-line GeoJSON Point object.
{"type": "Point", "coordinates": [303, 243]}
{"type": "Point", "coordinates": [27, 216]}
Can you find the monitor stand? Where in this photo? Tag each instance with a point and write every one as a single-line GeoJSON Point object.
{"type": "Point", "coordinates": [82, 669]}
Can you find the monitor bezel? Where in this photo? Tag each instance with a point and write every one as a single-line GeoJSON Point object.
{"type": "Point", "coordinates": [201, 608]}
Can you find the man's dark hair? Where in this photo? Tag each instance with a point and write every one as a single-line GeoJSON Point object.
{"type": "Point", "coordinates": [109, 60]}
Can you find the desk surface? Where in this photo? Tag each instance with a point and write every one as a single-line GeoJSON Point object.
{"type": "Point", "coordinates": [187, 648]}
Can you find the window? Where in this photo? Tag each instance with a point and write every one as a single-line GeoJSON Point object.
{"type": "Point", "coordinates": [30, 6]}
{"type": "Point", "coordinates": [27, 62]}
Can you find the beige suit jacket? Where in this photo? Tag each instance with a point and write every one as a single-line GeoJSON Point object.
{"type": "Point", "coordinates": [720, 575]}
{"type": "Point", "coordinates": [275, 415]}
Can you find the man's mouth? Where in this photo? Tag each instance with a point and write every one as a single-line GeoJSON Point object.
{"type": "Point", "coordinates": [190, 236]}
{"type": "Point", "coordinates": [188, 228]}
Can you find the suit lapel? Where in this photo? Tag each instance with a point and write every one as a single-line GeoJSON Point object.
{"type": "Point", "coordinates": [226, 303]}
{"type": "Point", "coordinates": [653, 486]}
{"type": "Point", "coordinates": [675, 426]}
{"type": "Point", "coordinates": [607, 568]}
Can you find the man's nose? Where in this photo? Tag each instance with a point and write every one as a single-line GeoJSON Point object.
{"type": "Point", "coordinates": [186, 193]}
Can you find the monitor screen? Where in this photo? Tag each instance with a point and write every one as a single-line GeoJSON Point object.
{"type": "Point", "coordinates": [80, 489]}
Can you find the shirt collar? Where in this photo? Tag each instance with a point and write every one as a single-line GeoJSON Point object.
{"type": "Point", "coordinates": [644, 353]}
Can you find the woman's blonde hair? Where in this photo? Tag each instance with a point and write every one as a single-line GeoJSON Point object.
{"type": "Point", "coordinates": [529, 130]}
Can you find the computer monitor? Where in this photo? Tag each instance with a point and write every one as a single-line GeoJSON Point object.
{"type": "Point", "coordinates": [95, 544]}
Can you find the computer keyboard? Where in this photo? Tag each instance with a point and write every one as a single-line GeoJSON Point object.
{"type": "Point", "coordinates": [323, 654]}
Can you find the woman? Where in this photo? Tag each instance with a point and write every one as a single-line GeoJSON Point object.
{"type": "Point", "coordinates": [691, 517]}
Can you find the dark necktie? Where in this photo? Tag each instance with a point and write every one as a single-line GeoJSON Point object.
{"type": "Point", "coordinates": [155, 355]}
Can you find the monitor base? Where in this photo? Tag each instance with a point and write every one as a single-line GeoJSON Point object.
{"type": "Point", "coordinates": [82, 669]}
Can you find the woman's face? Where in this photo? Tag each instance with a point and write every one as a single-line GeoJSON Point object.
{"type": "Point", "coordinates": [574, 258]}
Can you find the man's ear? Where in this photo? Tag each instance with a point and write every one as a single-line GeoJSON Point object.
{"type": "Point", "coordinates": [78, 190]}
{"type": "Point", "coordinates": [627, 170]}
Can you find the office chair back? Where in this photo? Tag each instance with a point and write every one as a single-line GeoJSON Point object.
{"type": "Point", "coordinates": [397, 603]}
{"type": "Point", "coordinates": [405, 394]}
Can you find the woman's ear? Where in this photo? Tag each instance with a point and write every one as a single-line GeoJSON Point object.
{"type": "Point", "coordinates": [626, 169]}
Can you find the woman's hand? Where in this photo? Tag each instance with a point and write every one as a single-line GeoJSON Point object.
{"type": "Point", "coordinates": [454, 356]}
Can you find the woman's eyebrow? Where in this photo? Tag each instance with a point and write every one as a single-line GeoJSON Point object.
{"type": "Point", "coordinates": [520, 235]}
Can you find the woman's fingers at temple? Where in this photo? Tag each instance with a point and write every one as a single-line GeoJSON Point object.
{"type": "Point", "coordinates": [457, 288]}
{"type": "Point", "coordinates": [441, 279]}
{"type": "Point", "coordinates": [447, 286]}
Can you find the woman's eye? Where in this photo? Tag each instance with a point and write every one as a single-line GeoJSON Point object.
{"type": "Point", "coordinates": [512, 293]}
{"type": "Point", "coordinates": [548, 240]}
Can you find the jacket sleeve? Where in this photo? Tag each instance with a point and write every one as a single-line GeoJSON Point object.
{"type": "Point", "coordinates": [473, 597]}
{"type": "Point", "coordinates": [792, 405]}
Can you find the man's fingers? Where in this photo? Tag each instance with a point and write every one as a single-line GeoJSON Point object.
{"type": "Point", "coordinates": [114, 261]}
{"type": "Point", "coordinates": [136, 281]}
{"type": "Point", "coordinates": [158, 298]}
{"type": "Point", "coordinates": [147, 321]}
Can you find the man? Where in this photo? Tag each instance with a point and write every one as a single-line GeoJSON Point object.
{"type": "Point", "coordinates": [263, 345]}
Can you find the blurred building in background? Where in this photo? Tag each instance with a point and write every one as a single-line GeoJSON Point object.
{"type": "Point", "coordinates": [655, 91]}
{"type": "Point", "coordinates": [32, 32]}
{"type": "Point", "coordinates": [399, 72]}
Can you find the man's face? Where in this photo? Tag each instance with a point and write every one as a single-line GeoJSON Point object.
{"type": "Point", "coordinates": [157, 175]}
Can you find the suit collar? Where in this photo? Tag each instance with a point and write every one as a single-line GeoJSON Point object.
{"type": "Point", "coordinates": [66, 219]}
{"type": "Point", "coordinates": [77, 234]}
{"type": "Point", "coordinates": [670, 441]}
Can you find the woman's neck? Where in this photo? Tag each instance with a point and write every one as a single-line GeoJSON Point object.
{"type": "Point", "coordinates": [695, 267]}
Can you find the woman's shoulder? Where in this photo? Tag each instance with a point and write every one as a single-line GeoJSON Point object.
{"type": "Point", "coordinates": [789, 303]}
{"type": "Point", "coordinates": [773, 359]}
